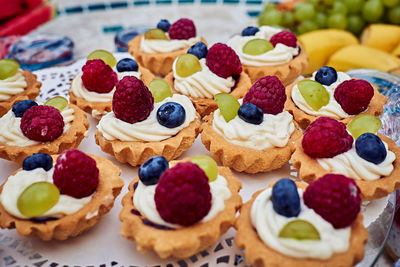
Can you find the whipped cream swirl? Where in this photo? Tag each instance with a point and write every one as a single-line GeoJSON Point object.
{"type": "Point", "coordinates": [12, 86]}
{"type": "Point", "coordinates": [165, 46]}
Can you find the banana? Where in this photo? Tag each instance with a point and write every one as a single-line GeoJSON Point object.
{"type": "Point", "coordinates": [396, 51]}
{"type": "Point", "coordinates": [321, 44]}
{"type": "Point", "coordinates": [381, 36]}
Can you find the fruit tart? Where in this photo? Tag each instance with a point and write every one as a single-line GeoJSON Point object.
{"type": "Point", "coordinates": [59, 200]}
{"type": "Point", "coordinates": [332, 94]}
{"type": "Point", "coordinates": [254, 134]}
{"type": "Point", "coordinates": [370, 159]}
{"type": "Point", "coordinates": [138, 128]}
{"type": "Point", "coordinates": [15, 85]}
{"type": "Point", "coordinates": [51, 128]}
{"type": "Point", "coordinates": [181, 208]}
{"type": "Point", "coordinates": [93, 88]}
{"type": "Point", "coordinates": [270, 51]}
{"type": "Point", "coordinates": [202, 73]}
{"type": "Point", "coordinates": [294, 225]}
{"type": "Point", "coordinates": [157, 48]}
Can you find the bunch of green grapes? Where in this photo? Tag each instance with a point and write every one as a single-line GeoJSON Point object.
{"type": "Point", "coordinates": [351, 15]}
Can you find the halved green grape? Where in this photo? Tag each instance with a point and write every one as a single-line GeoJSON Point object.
{"type": "Point", "coordinates": [208, 165]}
{"type": "Point", "coordinates": [160, 89]}
{"type": "Point", "coordinates": [155, 34]}
{"type": "Point", "coordinates": [187, 65]}
{"type": "Point", "coordinates": [372, 10]}
{"type": "Point", "coordinates": [8, 68]}
{"type": "Point", "coordinates": [364, 123]}
{"type": "Point", "coordinates": [300, 230]}
{"type": "Point", "coordinates": [57, 102]}
{"type": "Point", "coordinates": [313, 93]}
{"type": "Point", "coordinates": [304, 11]}
{"type": "Point", "coordinates": [228, 105]}
{"type": "Point", "coordinates": [38, 198]}
{"type": "Point", "coordinates": [337, 21]}
{"type": "Point", "coordinates": [104, 55]}
{"type": "Point", "coordinates": [270, 17]}
{"type": "Point", "coordinates": [257, 47]}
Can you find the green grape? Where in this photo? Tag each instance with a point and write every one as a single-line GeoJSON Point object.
{"type": "Point", "coordinates": [270, 17]}
{"type": "Point", "coordinates": [287, 19]}
{"type": "Point", "coordinates": [353, 6]}
{"type": "Point", "coordinates": [300, 230]}
{"type": "Point", "coordinates": [390, 3]}
{"type": "Point", "coordinates": [338, 7]}
{"type": "Point", "coordinates": [313, 93]}
{"type": "Point", "coordinates": [104, 55]}
{"type": "Point", "coordinates": [315, 3]}
{"type": "Point", "coordinates": [38, 198]}
{"type": "Point", "coordinates": [364, 123]}
{"type": "Point", "coordinates": [187, 65]}
{"type": "Point", "coordinates": [160, 89]}
{"type": "Point", "coordinates": [269, 6]}
{"type": "Point", "coordinates": [257, 47]}
{"type": "Point", "coordinates": [328, 2]}
{"type": "Point", "coordinates": [307, 26]}
{"type": "Point", "coordinates": [320, 19]}
{"type": "Point", "coordinates": [57, 102]}
{"type": "Point", "coordinates": [337, 21]}
{"type": "Point", "coordinates": [228, 105]}
{"type": "Point", "coordinates": [372, 11]}
{"type": "Point", "coordinates": [355, 24]}
{"type": "Point", "coordinates": [8, 68]}
{"type": "Point", "coordinates": [394, 15]}
{"type": "Point", "coordinates": [304, 11]}
{"type": "Point", "coordinates": [155, 34]}
{"type": "Point", "coordinates": [208, 165]}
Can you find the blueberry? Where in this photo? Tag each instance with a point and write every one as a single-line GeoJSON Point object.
{"type": "Point", "coordinates": [20, 107]}
{"type": "Point", "coordinates": [150, 171]}
{"type": "Point", "coordinates": [371, 148]}
{"type": "Point", "coordinates": [39, 160]}
{"type": "Point", "coordinates": [249, 31]}
{"type": "Point", "coordinates": [171, 114]}
{"type": "Point", "coordinates": [285, 198]}
{"type": "Point", "coordinates": [164, 25]}
{"type": "Point", "coordinates": [326, 75]}
{"type": "Point", "coordinates": [127, 64]}
{"type": "Point", "coordinates": [251, 113]}
{"type": "Point", "coordinates": [199, 49]}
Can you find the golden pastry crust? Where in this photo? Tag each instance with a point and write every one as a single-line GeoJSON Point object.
{"type": "Point", "coordinates": [31, 92]}
{"type": "Point", "coordinates": [287, 72]}
{"type": "Point", "coordinates": [102, 108]}
{"type": "Point", "coordinates": [310, 170]}
{"type": "Point", "coordinates": [304, 119]}
{"type": "Point", "coordinates": [183, 242]}
{"type": "Point", "coordinates": [158, 63]}
{"type": "Point", "coordinates": [109, 187]}
{"type": "Point", "coordinates": [137, 152]}
{"type": "Point", "coordinates": [243, 159]}
{"type": "Point", "coordinates": [259, 254]}
{"type": "Point", "coordinates": [70, 139]}
{"type": "Point", "coordinates": [205, 106]}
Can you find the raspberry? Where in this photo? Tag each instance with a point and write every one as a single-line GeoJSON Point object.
{"type": "Point", "coordinates": [335, 198]}
{"type": "Point", "coordinates": [284, 37]}
{"type": "Point", "coordinates": [132, 101]}
{"type": "Point", "coordinates": [354, 95]}
{"type": "Point", "coordinates": [326, 138]}
{"type": "Point", "coordinates": [183, 194]}
{"type": "Point", "coordinates": [182, 29]}
{"type": "Point", "coordinates": [268, 93]}
{"type": "Point", "coordinates": [76, 174]}
{"type": "Point", "coordinates": [97, 76]}
{"type": "Point", "coordinates": [223, 61]}
{"type": "Point", "coordinates": [42, 123]}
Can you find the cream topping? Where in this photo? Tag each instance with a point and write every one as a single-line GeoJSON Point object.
{"type": "Point", "coordinates": [12, 86]}
{"type": "Point", "coordinates": [165, 46]}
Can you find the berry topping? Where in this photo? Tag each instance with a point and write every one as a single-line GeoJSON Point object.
{"type": "Point", "coordinates": [132, 101]}
{"type": "Point", "coordinates": [98, 77]}
{"type": "Point", "coordinates": [371, 148]}
{"type": "Point", "coordinates": [42, 123]}
{"type": "Point", "coordinates": [150, 171]}
{"type": "Point", "coordinates": [171, 114]}
{"type": "Point", "coordinates": [39, 160]}
{"type": "Point", "coordinates": [250, 31]}
{"type": "Point", "coordinates": [8, 68]}
{"type": "Point", "coordinates": [57, 102]}
{"type": "Point", "coordinates": [104, 55]}
{"type": "Point", "coordinates": [256, 47]}
{"type": "Point", "coordinates": [199, 49]}
{"type": "Point", "coordinates": [223, 61]}
{"type": "Point", "coordinates": [300, 230]}
{"type": "Point", "coordinates": [335, 198]}
{"type": "Point", "coordinates": [285, 198]}
{"type": "Point", "coordinates": [268, 93]}
{"type": "Point", "coordinates": [208, 165]}
{"type": "Point", "coordinates": [76, 174]}
{"type": "Point", "coordinates": [326, 138]}
{"type": "Point", "coordinates": [251, 113]}
{"type": "Point", "coordinates": [187, 65]}
{"type": "Point", "coordinates": [287, 38]}
{"type": "Point", "coordinates": [326, 75]}
{"type": "Point", "coordinates": [155, 34]}
{"type": "Point", "coordinates": [20, 107]}
{"type": "Point", "coordinates": [228, 105]}
{"type": "Point", "coordinates": [160, 89]}
{"type": "Point", "coordinates": [315, 95]}
{"type": "Point", "coordinates": [164, 25]}
{"type": "Point", "coordinates": [354, 95]}
{"type": "Point", "coordinates": [182, 29]}
{"type": "Point", "coordinates": [364, 123]}
{"type": "Point", "coordinates": [127, 64]}
{"type": "Point", "coordinates": [183, 194]}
